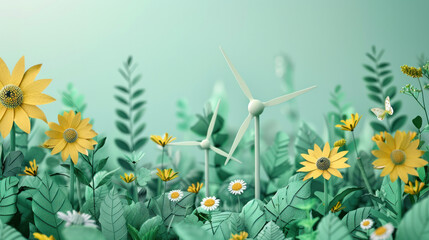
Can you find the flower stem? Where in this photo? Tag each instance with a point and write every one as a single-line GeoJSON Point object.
{"type": "Point", "coordinates": [361, 167]}
{"type": "Point", "coordinates": [210, 221]}
{"type": "Point", "coordinates": [163, 198]}
{"type": "Point", "coordinates": [12, 138]}
{"type": "Point", "coordinates": [135, 192]}
{"type": "Point", "coordinates": [71, 194]}
{"type": "Point", "coordinates": [206, 172]}
{"type": "Point", "coordinates": [399, 199]}
{"type": "Point", "coordinates": [158, 191]}
{"type": "Point", "coordinates": [257, 160]}
{"type": "Point", "coordinates": [325, 195]}
{"type": "Point", "coordinates": [239, 203]}
{"type": "Point", "coordinates": [93, 185]}
{"type": "Point", "coordinates": [423, 100]}
{"type": "Point", "coordinates": [79, 195]}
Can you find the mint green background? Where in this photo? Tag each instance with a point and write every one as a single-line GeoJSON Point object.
{"type": "Point", "coordinates": [176, 45]}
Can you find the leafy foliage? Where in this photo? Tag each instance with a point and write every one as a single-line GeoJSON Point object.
{"type": "Point", "coordinates": [9, 233]}
{"type": "Point", "coordinates": [12, 164]}
{"type": "Point", "coordinates": [271, 232]}
{"type": "Point", "coordinates": [254, 217]}
{"type": "Point", "coordinates": [332, 228]}
{"type": "Point", "coordinates": [112, 220]}
{"type": "Point", "coordinates": [415, 224]}
{"type": "Point", "coordinates": [353, 218]}
{"type": "Point", "coordinates": [276, 158]}
{"type": "Point", "coordinates": [73, 100]}
{"type": "Point", "coordinates": [8, 198]}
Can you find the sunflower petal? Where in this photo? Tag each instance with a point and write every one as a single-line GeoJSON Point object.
{"type": "Point", "coordinates": [37, 99]}
{"type": "Point", "coordinates": [18, 72]}
{"type": "Point", "coordinates": [34, 112]}
{"type": "Point", "coordinates": [59, 147]}
{"type": "Point", "coordinates": [36, 86]}
{"type": "Point", "coordinates": [6, 122]}
{"type": "Point", "coordinates": [22, 120]}
{"type": "Point", "coordinates": [30, 75]}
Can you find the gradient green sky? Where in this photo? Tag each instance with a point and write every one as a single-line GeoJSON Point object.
{"type": "Point", "coordinates": [176, 45]}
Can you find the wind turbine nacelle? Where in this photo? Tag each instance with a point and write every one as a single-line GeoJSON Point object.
{"type": "Point", "coordinates": [255, 107]}
{"type": "Point", "coordinates": [205, 144]}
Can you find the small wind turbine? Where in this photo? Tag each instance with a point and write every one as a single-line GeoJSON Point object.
{"type": "Point", "coordinates": [206, 145]}
{"type": "Point", "coordinates": [255, 108]}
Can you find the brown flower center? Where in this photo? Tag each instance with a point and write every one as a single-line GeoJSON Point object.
{"type": "Point", "coordinates": [11, 96]}
{"type": "Point", "coordinates": [70, 135]}
{"type": "Point", "coordinates": [398, 157]}
{"type": "Point", "coordinates": [209, 202]}
{"type": "Point", "coordinates": [323, 163]}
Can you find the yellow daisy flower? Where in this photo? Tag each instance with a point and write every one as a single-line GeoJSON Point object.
{"type": "Point", "coordinates": [32, 170]}
{"type": "Point", "coordinates": [195, 188]}
{"type": "Point", "coordinates": [413, 190]}
{"type": "Point", "coordinates": [338, 207]}
{"type": "Point", "coordinates": [349, 124]}
{"type": "Point", "coordinates": [379, 137]}
{"type": "Point", "coordinates": [128, 178]}
{"type": "Point", "coordinates": [340, 143]}
{"type": "Point", "coordinates": [167, 174]}
{"type": "Point", "coordinates": [412, 71]}
{"type": "Point", "coordinates": [324, 162]}
{"type": "Point", "coordinates": [71, 136]}
{"type": "Point", "coordinates": [398, 156]}
{"type": "Point", "coordinates": [241, 236]}
{"type": "Point", "coordinates": [40, 236]}
{"type": "Point", "coordinates": [160, 141]}
{"type": "Point", "coordinates": [383, 232]}
{"type": "Point", "coordinates": [19, 95]}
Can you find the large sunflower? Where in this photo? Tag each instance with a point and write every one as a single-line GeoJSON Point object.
{"type": "Point", "coordinates": [324, 162]}
{"type": "Point", "coordinates": [398, 156]}
{"type": "Point", "coordinates": [71, 136]}
{"type": "Point", "coordinates": [19, 95]}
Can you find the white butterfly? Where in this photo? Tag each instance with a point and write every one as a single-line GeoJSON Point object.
{"type": "Point", "coordinates": [381, 113]}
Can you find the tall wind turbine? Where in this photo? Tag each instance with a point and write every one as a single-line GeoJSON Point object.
{"type": "Point", "coordinates": [206, 146]}
{"type": "Point", "coordinates": [255, 108]}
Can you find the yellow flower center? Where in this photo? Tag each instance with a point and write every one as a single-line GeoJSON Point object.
{"type": "Point", "coordinates": [70, 135]}
{"type": "Point", "coordinates": [209, 202]}
{"type": "Point", "coordinates": [236, 186]}
{"type": "Point", "coordinates": [380, 231]}
{"type": "Point", "coordinates": [366, 223]}
{"type": "Point", "coordinates": [323, 163]}
{"type": "Point", "coordinates": [398, 157]}
{"type": "Point", "coordinates": [11, 96]}
{"type": "Point", "coordinates": [175, 195]}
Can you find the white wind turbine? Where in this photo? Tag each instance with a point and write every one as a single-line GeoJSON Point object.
{"type": "Point", "coordinates": [255, 108]}
{"type": "Point", "coordinates": [206, 146]}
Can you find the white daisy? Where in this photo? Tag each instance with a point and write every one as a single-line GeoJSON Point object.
{"type": "Point", "coordinates": [210, 203]}
{"type": "Point", "coordinates": [383, 232]}
{"type": "Point", "coordinates": [75, 218]}
{"type": "Point", "coordinates": [175, 195]}
{"type": "Point", "coordinates": [237, 187]}
{"type": "Point", "coordinates": [366, 224]}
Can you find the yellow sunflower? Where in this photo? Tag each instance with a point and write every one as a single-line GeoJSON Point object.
{"type": "Point", "coordinates": [414, 190]}
{"type": "Point", "coordinates": [398, 156]}
{"type": "Point", "coordinates": [40, 236]}
{"type": "Point", "coordinates": [379, 137]}
{"type": "Point", "coordinates": [19, 95]}
{"type": "Point", "coordinates": [240, 236]}
{"type": "Point", "coordinates": [195, 188]}
{"type": "Point", "coordinates": [337, 208]}
{"type": "Point", "coordinates": [128, 178]}
{"type": "Point", "coordinates": [167, 174]}
{"type": "Point", "coordinates": [160, 141]}
{"type": "Point", "coordinates": [349, 124]}
{"type": "Point", "coordinates": [71, 136]}
{"type": "Point", "coordinates": [32, 170]}
{"type": "Point", "coordinates": [324, 162]}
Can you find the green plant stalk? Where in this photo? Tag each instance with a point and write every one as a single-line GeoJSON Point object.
{"type": "Point", "coordinates": [423, 100]}
{"type": "Point", "coordinates": [163, 198]}
{"type": "Point", "coordinates": [210, 221]}
{"type": "Point", "coordinates": [71, 194]}
{"type": "Point", "coordinates": [361, 167]}
{"type": "Point", "coordinates": [135, 192]}
{"type": "Point", "coordinates": [93, 184]}
{"type": "Point", "coordinates": [257, 160]}
{"type": "Point", "coordinates": [12, 138]}
{"type": "Point", "coordinates": [79, 195]}
{"type": "Point", "coordinates": [206, 172]}
{"type": "Point", "coordinates": [158, 191]}
{"type": "Point", "coordinates": [325, 195]}
{"type": "Point", "coordinates": [239, 203]}
{"type": "Point", "coordinates": [399, 199]}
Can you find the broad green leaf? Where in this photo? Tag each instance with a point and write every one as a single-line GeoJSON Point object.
{"type": "Point", "coordinates": [276, 159]}
{"type": "Point", "coordinates": [341, 195]}
{"type": "Point", "coordinates": [112, 220]}
{"type": "Point", "coordinates": [138, 105]}
{"type": "Point", "coordinates": [47, 202]}
{"type": "Point", "coordinates": [306, 139]}
{"type": "Point", "coordinates": [373, 88]}
{"type": "Point", "coordinates": [418, 121]}
{"type": "Point", "coordinates": [386, 81]}
{"type": "Point", "coordinates": [331, 228]}
{"type": "Point", "coordinates": [378, 127]}
{"type": "Point", "coordinates": [369, 68]}
{"type": "Point", "coordinates": [122, 145]}
{"type": "Point", "coordinates": [105, 178]}
{"type": "Point", "coordinates": [82, 233]}
{"type": "Point", "coordinates": [370, 79]}
{"type": "Point", "coordinates": [389, 192]}
{"type": "Point", "coordinates": [353, 219]}
{"type": "Point", "coordinates": [9, 233]}
{"type": "Point", "coordinates": [143, 176]}
{"type": "Point", "coordinates": [254, 217]}
{"type": "Point", "coordinates": [282, 209]}
{"type": "Point", "coordinates": [202, 125]}
{"type": "Point", "coordinates": [121, 99]}
{"type": "Point", "coordinates": [221, 222]}
{"type": "Point", "coordinates": [391, 92]}
{"type": "Point", "coordinates": [271, 232]}
{"type": "Point", "coordinates": [138, 93]}
{"type": "Point", "coordinates": [122, 114]}
{"type": "Point", "coordinates": [8, 198]}
{"type": "Point", "coordinates": [12, 164]}
{"type": "Point", "coordinates": [135, 214]}
{"type": "Point", "coordinates": [415, 224]}
{"type": "Point", "coordinates": [150, 228]}
{"type": "Point", "coordinates": [190, 231]}
{"type": "Point", "coordinates": [122, 127]}
{"type": "Point", "coordinates": [170, 211]}
{"type": "Point", "coordinates": [376, 98]}
{"type": "Point", "coordinates": [398, 123]}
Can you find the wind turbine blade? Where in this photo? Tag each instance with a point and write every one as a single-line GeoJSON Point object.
{"type": "Point", "coordinates": [286, 97]}
{"type": "Point", "coordinates": [222, 153]}
{"type": "Point", "coordinates": [238, 137]}
{"type": "Point", "coordinates": [186, 143]}
{"type": "Point", "coordinates": [213, 121]}
{"type": "Point", "coordinates": [237, 76]}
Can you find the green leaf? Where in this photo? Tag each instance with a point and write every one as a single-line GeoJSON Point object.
{"type": "Point", "coordinates": [112, 218]}
{"type": "Point", "coordinates": [202, 125]}
{"type": "Point", "coordinates": [12, 164]}
{"type": "Point", "coordinates": [134, 233]}
{"type": "Point", "coordinates": [374, 89]}
{"type": "Point", "coordinates": [138, 105]}
{"type": "Point", "coordinates": [417, 121]}
{"type": "Point", "coordinates": [138, 93]}
{"type": "Point", "coordinates": [143, 176]}
{"type": "Point", "coordinates": [375, 98]}
{"type": "Point", "coordinates": [121, 99]}
{"type": "Point", "coordinates": [386, 81]}
{"type": "Point", "coordinates": [8, 198]}
{"type": "Point", "coordinates": [354, 218]}
{"type": "Point", "coordinates": [282, 208]}
{"type": "Point", "coordinates": [140, 143]}
{"type": "Point", "coordinates": [136, 214]}
{"type": "Point", "coordinates": [389, 191]}
{"type": "Point", "coordinates": [391, 92]}
{"type": "Point", "coordinates": [122, 89]}
{"type": "Point", "coordinates": [101, 163]}
{"type": "Point", "coordinates": [271, 232]}
{"type": "Point", "coordinates": [82, 233]}
{"type": "Point", "coordinates": [415, 224]}
{"type": "Point", "coordinates": [276, 159]}
{"type": "Point", "coordinates": [370, 79]}
{"type": "Point", "coordinates": [383, 73]}
{"type": "Point", "coordinates": [221, 222]}
{"type": "Point", "coordinates": [383, 65]}
{"type": "Point", "coordinates": [190, 231]}
{"type": "Point", "coordinates": [9, 233]}
{"type": "Point", "coordinates": [100, 143]}
{"type": "Point", "coordinates": [122, 145]}
{"type": "Point", "coordinates": [331, 227]}
{"type": "Point", "coordinates": [398, 123]}
{"type": "Point", "coordinates": [369, 68]}
{"type": "Point", "coordinates": [150, 224]}
{"type": "Point", "coordinates": [306, 138]}
{"type": "Point", "coordinates": [122, 127]}
{"type": "Point", "coordinates": [378, 127]}
{"type": "Point", "coordinates": [47, 202]}
{"type": "Point", "coordinates": [122, 114]}
{"type": "Point", "coordinates": [106, 178]}
{"type": "Point", "coordinates": [172, 212]}
{"type": "Point", "coordinates": [254, 217]}
{"type": "Point", "coordinates": [341, 195]}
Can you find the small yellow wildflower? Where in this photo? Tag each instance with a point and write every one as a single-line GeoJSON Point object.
{"type": "Point", "coordinates": [167, 174]}
{"type": "Point", "coordinates": [40, 236]}
{"type": "Point", "coordinates": [128, 178]}
{"type": "Point", "coordinates": [412, 71]}
{"type": "Point", "coordinates": [195, 188]}
{"type": "Point", "coordinates": [413, 189]}
{"type": "Point", "coordinates": [338, 207]}
{"type": "Point", "coordinates": [160, 141]}
{"type": "Point", "coordinates": [241, 236]}
{"type": "Point", "coordinates": [349, 124]}
{"type": "Point", "coordinates": [32, 170]}
{"type": "Point", "coordinates": [340, 143]}
{"type": "Point", "coordinates": [379, 137]}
